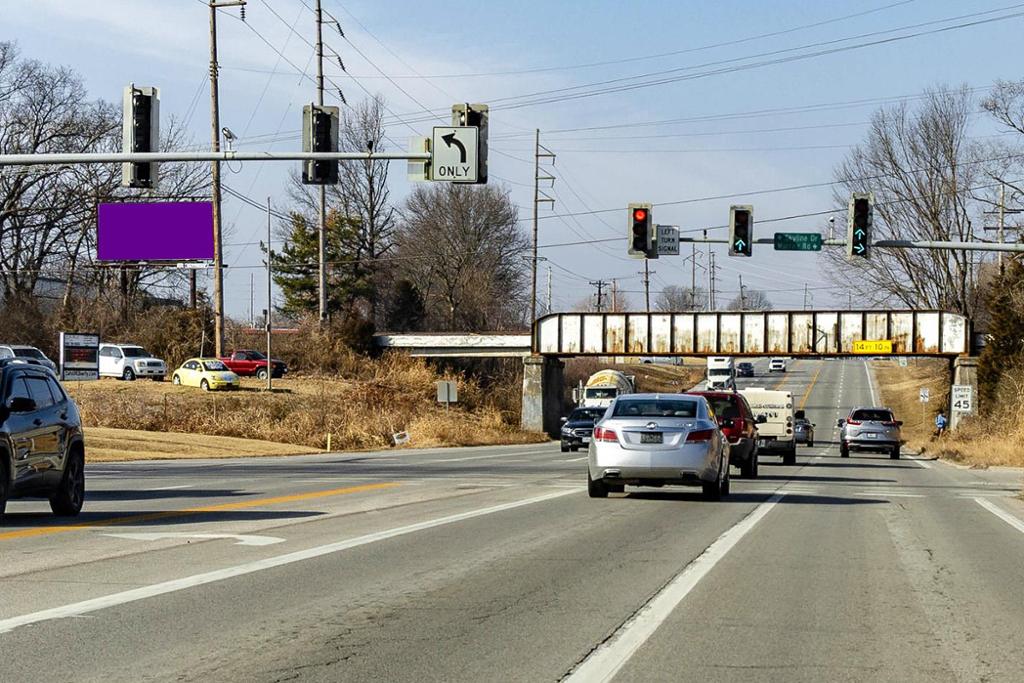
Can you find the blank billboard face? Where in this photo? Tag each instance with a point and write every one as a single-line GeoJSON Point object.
{"type": "Point", "coordinates": [155, 231]}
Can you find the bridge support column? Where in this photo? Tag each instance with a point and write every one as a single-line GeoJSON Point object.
{"type": "Point", "coordinates": [542, 395]}
{"type": "Point", "coordinates": [965, 371]}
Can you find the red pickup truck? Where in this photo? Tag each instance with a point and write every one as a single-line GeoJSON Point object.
{"type": "Point", "coordinates": [247, 363]}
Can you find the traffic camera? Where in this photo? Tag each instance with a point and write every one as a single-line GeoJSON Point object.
{"type": "Point", "coordinates": [320, 134]}
{"type": "Point", "coordinates": [641, 232]}
{"type": "Point", "coordinates": [858, 235]}
{"type": "Point", "coordinates": [741, 230]}
{"type": "Point", "coordinates": [140, 133]}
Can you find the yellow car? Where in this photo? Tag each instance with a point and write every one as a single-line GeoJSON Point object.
{"type": "Point", "coordinates": [206, 373]}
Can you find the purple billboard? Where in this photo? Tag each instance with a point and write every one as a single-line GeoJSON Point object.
{"type": "Point", "coordinates": [155, 231]}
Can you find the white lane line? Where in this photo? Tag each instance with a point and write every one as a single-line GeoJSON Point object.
{"type": "Point", "coordinates": [888, 494]}
{"type": "Point", "coordinates": [871, 384]}
{"type": "Point", "coordinates": [1002, 514]}
{"type": "Point", "coordinates": [608, 659]}
{"type": "Point", "coordinates": [171, 488]}
{"type": "Point", "coordinates": [240, 539]}
{"type": "Point", "coordinates": [87, 606]}
{"type": "Point", "coordinates": [920, 463]}
{"type": "Point", "coordinates": [576, 459]}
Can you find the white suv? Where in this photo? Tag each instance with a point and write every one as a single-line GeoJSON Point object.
{"type": "Point", "coordinates": [127, 361]}
{"type": "Point", "coordinates": [777, 365]}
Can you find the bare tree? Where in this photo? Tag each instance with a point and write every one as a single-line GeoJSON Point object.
{"type": "Point", "coordinates": [461, 246]}
{"type": "Point", "coordinates": [676, 298]}
{"type": "Point", "coordinates": [922, 168]}
{"type": "Point", "coordinates": [750, 300]}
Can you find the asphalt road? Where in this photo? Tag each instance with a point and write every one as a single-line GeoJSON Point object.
{"type": "Point", "coordinates": [492, 564]}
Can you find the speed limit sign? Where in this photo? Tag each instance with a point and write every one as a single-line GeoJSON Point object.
{"type": "Point", "coordinates": [963, 398]}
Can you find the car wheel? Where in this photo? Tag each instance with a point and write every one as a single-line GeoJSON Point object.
{"type": "Point", "coordinates": [712, 490]}
{"type": "Point", "coordinates": [565, 449]}
{"type": "Point", "coordinates": [176, 380]}
{"type": "Point", "coordinates": [895, 454]}
{"type": "Point", "coordinates": [726, 483]}
{"type": "Point", "coordinates": [596, 489]}
{"type": "Point", "coordinates": [5, 485]}
{"type": "Point", "coordinates": [810, 442]}
{"type": "Point", "coordinates": [129, 375]}
{"type": "Point", "coordinates": [748, 470]}
{"type": "Point", "coordinates": [616, 488]}
{"type": "Point", "coordinates": [790, 457]}
{"type": "Point", "coordinates": [70, 496]}
{"type": "Point", "coordinates": [204, 385]}
{"type": "Point", "coordinates": [844, 451]}
{"type": "Point", "coordinates": [261, 374]}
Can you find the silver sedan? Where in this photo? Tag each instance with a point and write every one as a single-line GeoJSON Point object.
{"type": "Point", "coordinates": [658, 439]}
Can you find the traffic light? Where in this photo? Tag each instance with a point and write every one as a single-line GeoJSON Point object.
{"type": "Point", "coordinates": [319, 134]}
{"type": "Point", "coordinates": [641, 232]}
{"type": "Point", "coordinates": [475, 115]}
{"type": "Point", "coordinates": [140, 132]}
{"type": "Point", "coordinates": [741, 230]}
{"type": "Point", "coordinates": [858, 233]}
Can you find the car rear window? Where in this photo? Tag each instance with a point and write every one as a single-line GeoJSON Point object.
{"type": "Point", "coordinates": [725, 407]}
{"type": "Point", "coordinates": [594, 414]}
{"type": "Point", "coordinates": [872, 416]}
{"type": "Point", "coordinates": [28, 353]}
{"type": "Point", "coordinates": [655, 408]}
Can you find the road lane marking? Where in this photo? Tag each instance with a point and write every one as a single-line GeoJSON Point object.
{"type": "Point", "coordinates": [807, 394]}
{"type": "Point", "coordinates": [888, 494]}
{"type": "Point", "coordinates": [148, 517]}
{"type": "Point", "coordinates": [604, 662]}
{"type": "Point", "coordinates": [241, 539]}
{"type": "Point", "coordinates": [1002, 514]}
{"type": "Point", "coordinates": [482, 457]}
{"type": "Point", "coordinates": [920, 463]}
{"type": "Point", "coordinates": [871, 383]}
{"type": "Point", "coordinates": [576, 459]}
{"type": "Point", "coordinates": [170, 488]}
{"type": "Point", "coordinates": [78, 609]}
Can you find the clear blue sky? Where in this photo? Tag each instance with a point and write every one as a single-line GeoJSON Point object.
{"type": "Point", "coordinates": [526, 47]}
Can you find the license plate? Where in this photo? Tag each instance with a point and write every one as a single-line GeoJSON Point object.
{"type": "Point", "coordinates": [585, 439]}
{"type": "Point", "coordinates": [761, 443]}
{"type": "Point", "coordinates": [871, 435]}
{"type": "Point", "coordinates": [655, 437]}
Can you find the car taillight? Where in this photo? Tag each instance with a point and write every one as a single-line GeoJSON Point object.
{"type": "Point", "coordinates": [855, 423]}
{"type": "Point", "coordinates": [889, 424]}
{"type": "Point", "coordinates": [604, 434]}
{"type": "Point", "coordinates": [700, 435]}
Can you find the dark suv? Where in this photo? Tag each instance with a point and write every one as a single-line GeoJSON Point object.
{"type": "Point", "coordinates": [579, 427]}
{"type": "Point", "coordinates": [739, 425]}
{"type": "Point", "coordinates": [42, 450]}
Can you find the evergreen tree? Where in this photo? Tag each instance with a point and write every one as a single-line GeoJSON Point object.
{"type": "Point", "coordinates": [1005, 347]}
{"type": "Point", "coordinates": [407, 310]}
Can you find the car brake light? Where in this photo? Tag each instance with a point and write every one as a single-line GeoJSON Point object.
{"type": "Point", "coordinates": [889, 424]}
{"type": "Point", "coordinates": [700, 435]}
{"type": "Point", "coordinates": [604, 434]}
{"type": "Point", "coordinates": [855, 423]}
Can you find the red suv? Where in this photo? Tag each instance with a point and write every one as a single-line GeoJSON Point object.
{"type": "Point", "coordinates": [739, 426]}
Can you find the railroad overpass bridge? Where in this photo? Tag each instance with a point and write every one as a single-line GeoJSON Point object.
{"type": "Point", "coordinates": [826, 333]}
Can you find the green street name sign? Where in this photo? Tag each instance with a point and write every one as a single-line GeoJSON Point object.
{"type": "Point", "coordinates": [797, 241]}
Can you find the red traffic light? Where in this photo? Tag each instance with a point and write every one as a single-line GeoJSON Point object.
{"type": "Point", "coordinates": [639, 214]}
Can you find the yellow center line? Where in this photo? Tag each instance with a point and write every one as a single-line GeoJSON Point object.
{"type": "Point", "coordinates": [807, 394]}
{"type": "Point", "coordinates": [151, 516]}
{"type": "Point", "coordinates": [785, 376]}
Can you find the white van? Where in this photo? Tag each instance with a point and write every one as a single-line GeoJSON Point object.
{"type": "Point", "coordinates": [128, 361]}
{"type": "Point", "coordinates": [776, 432]}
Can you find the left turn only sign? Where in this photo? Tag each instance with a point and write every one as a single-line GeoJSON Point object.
{"type": "Point", "coordinates": [454, 154]}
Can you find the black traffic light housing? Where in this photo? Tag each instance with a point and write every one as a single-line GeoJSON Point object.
{"type": "Point", "coordinates": [640, 235]}
{"type": "Point", "coordinates": [140, 133]}
{"type": "Point", "coordinates": [858, 234]}
{"type": "Point", "coordinates": [741, 230]}
{"type": "Point", "coordinates": [320, 134]}
{"type": "Point", "coordinates": [476, 115]}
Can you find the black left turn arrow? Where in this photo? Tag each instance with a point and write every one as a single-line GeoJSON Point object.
{"type": "Point", "coordinates": [450, 140]}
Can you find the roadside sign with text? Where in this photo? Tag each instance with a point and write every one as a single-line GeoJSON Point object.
{"type": "Point", "coordinates": [924, 395]}
{"type": "Point", "coordinates": [454, 154]}
{"type": "Point", "coordinates": [873, 347]}
{"type": "Point", "coordinates": [668, 240]}
{"type": "Point", "coordinates": [79, 356]}
{"type": "Point", "coordinates": [797, 241]}
{"type": "Point", "coordinates": [963, 398]}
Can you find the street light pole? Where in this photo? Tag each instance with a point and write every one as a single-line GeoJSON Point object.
{"type": "Point", "coordinates": [322, 215]}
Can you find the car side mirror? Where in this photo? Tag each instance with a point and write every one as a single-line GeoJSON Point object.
{"type": "Point", "coordinates": [813, 425]}
{"type": "Point", "coordinates": [21, 404]}
{"type": "Point", "coordinates": [761, 419]}
{"type": "Point", "coordinates": [840, 423]}
{"type": "Point", "coordinates": [563, 419]}
{"type": "Point", "coordinates": [899, 423]}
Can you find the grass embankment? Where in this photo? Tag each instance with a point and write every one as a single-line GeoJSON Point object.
{"type": "Point", "coordinates": [975, 443]}
{"type": "Point", "coordinates": [361, 411]}
{"type": "Point", "coordinates": [652, 377]}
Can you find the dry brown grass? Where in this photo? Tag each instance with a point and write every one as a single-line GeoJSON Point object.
{"type": "Point", "coordinates": [361, 410]}
{"type": "Point", "coordinates": [975, 443]}
{"type": "Point", "coordinates": [106, 445]}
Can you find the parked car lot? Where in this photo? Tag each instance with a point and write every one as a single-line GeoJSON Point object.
{"type": "Point", "coordinates": [209, 374]}
{"type": "Point", "coordinates": [42, 448]}
{"type": "Point", "coordinates": [129, 361]}
{"type": "Point", "coordinates": [654, 440]}
{"type": "Point", "coordinates": [872, 430]}
{"type": "Point", "coordinates": [249, 363]}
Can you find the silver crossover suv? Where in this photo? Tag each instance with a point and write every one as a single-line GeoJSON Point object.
{"type": "Point", "coordinates": [870, 429]}
{"type": "Point", "coordinates": [653, 440]}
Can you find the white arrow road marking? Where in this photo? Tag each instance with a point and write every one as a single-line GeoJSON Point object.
{"type": "Point", "coordinates": [161, 535]}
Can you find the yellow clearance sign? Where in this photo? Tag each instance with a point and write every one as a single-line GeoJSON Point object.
{"type": "Point", "coordinates": [873, 347]}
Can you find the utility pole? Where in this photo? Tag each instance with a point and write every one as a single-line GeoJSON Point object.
{"type": "Point", "coordinates": [615, 296]}
{"type": "Point", "coordinates": [218, 241]}
{"type": "Point", "coordinates": [192, 295]}
{"type": "Point", "coordinates": [548, 307]}
{"type": "Point", "coordinates": [537, 199]}
{"type": "Point", "coordinates": [693, 278]}
{"type": "Point", "coordinates": [647, 284]}
{"type": "Point", "coordinates": [743, 299]}
{"type": "Point", "coordinates": [252, 299]}
{"type": "Point", "coordinates": [600, 284]}
{"type": "Point", "coordinates": [321, 216]}
{"type": "Point", "coordinates": [805, 297]}
{"type": "Point", "coordinates": [1002, 222]}
{"type": "Point", "coordinates": [270, 305]}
